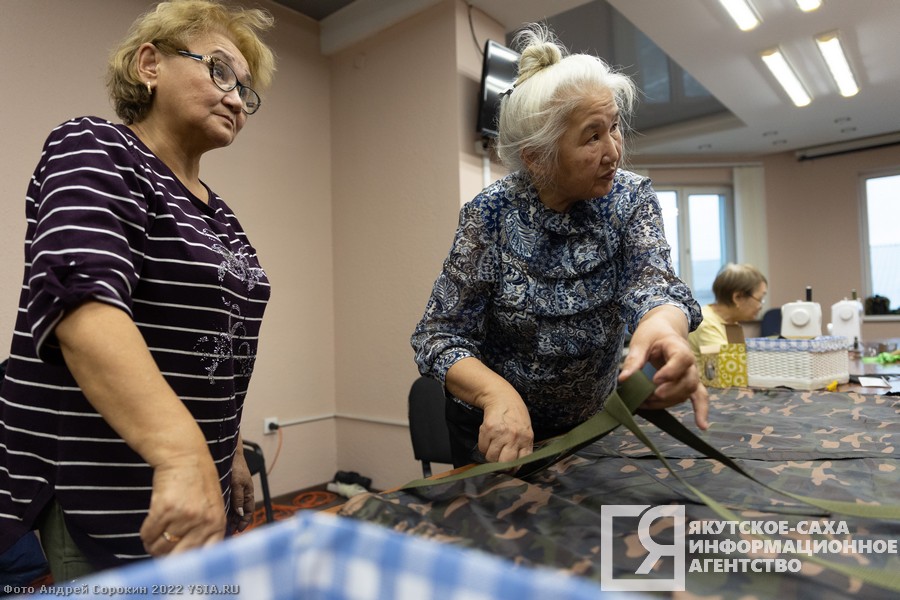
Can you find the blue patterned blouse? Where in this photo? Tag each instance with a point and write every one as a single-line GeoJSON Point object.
{"type": "Point", "coordinates": [543, 298]}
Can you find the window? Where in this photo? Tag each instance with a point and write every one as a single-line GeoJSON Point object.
{"type": "Point", "coordinates": [699, 225]}
{"type": "Point", "coordinates": [881, 236]}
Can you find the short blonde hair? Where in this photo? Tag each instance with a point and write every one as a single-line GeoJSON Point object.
{"type": "Point", "coordinates": [732, 278]}
{"type": "Point", "coordinates": [551, 84]}
{"type": "Point", "coordinates": [171, 26]}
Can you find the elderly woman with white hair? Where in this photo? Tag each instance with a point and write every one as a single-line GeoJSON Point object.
{"type": "Point", "coordinates": [551, 265]}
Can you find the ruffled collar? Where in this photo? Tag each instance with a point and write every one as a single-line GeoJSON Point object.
{"type": "Point", "coordinates": [582, 215]}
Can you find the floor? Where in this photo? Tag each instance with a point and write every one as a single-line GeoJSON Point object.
{"type": "Point", "coordinates": [283, 507]}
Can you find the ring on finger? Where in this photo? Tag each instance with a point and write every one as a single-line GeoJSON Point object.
{"type": "Point", "coordinates": [171, 538]}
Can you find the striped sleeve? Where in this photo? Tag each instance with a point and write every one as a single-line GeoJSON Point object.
{"type": "Point", "coordinates": [88, 211]}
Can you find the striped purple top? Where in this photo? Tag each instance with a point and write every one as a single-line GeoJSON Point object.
{"type": "Point", "coordinates": [108, 220]}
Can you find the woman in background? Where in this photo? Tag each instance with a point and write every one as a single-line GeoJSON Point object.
{"type": "Point", "coordinates": [140, 308]}
{"type": "Point", "coordinates": [740, 293]}
{"type": "Point", "coordinates": [550, 265]}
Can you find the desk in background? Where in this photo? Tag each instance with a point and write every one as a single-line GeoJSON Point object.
{"type": "Point", "coordinates": [889, 372]}
{"type": "Point", "coordinates": [842, 446]}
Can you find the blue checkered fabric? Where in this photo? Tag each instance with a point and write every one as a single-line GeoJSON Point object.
{"type": "Point", "coordinates": [318, 556]}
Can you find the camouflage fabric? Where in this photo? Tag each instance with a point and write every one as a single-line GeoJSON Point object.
{"type": "Point", "coordinates": [841, 446]}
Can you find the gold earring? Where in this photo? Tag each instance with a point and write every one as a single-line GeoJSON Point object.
{"type": "Point", "coordinates": [149, 89]}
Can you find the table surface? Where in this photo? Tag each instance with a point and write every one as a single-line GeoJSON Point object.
{"type": "Point", "coordinates": [889, 372]}
{"type": "Point", "coordinates": [835, 445]}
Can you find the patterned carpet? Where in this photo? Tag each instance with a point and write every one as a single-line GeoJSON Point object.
{"type": "Point", "coordinates": [284, 507]}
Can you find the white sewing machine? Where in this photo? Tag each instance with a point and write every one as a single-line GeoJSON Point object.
{"type": "Point", "coordinates": [846, 319]}
{"type": "Point", "coordinates": [801, 319]}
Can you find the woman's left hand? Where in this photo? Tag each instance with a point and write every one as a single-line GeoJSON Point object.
{"type": "Point", "coordinates": [661, 339]}
{"type": "Point", "coordinates": [242, 502]}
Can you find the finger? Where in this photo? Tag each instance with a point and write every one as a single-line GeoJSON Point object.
{"type": "Point", "coordinates": [243, 523]}
{"type": "Point", "coordinates": [511, 452]}
{"type": "Point", "coordinates": [244, 517]}
{"type": "Point", "coordinates": [633, 362]}
{"type": "Point", "coordinates": [249, 505]}
{"type": "Point", "coordinates": [674, 369]}
{"type": "Point", "coordinates": [242, 506]}
{"type": "Point", "coordinates": [501, 452]}
{"type": "Point", "coordinates": [700, 400]}
{"type": "Point", "coordinates": [151, 531]}
{"type": "Point", "coordinates": [162, 544]}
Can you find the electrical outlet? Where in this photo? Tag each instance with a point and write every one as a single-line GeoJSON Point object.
{"type": "Point", "coordinates": [270, 425]}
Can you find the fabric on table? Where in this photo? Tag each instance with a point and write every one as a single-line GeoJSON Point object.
{"type": "Point", "coordinates": [840, 446]}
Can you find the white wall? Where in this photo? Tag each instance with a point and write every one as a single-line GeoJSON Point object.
{"type": "Point", "coordinates": [395, 201]}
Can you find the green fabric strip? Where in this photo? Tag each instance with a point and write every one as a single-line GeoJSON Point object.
{"type": "Point", "coordinates": [631, 393]}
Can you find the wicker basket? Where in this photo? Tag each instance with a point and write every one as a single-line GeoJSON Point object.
{"type": "Point", "coordinates": [799, 364]}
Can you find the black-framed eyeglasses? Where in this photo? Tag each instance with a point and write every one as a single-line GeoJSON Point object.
{"type": "Point", "coordinates": [226, 80]}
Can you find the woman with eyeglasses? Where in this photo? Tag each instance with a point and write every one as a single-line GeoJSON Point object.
{"type": "Point", "coordinates": [140, 308]}
{"type": "Point", "coordinates": [549, 267]}
{"type": "Point", "coordinates": [740, 293]}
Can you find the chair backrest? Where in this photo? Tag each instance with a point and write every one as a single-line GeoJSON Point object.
{"type": "Point", "coordinates": [428, 423]}
{"type": "Point", "coordinates": [256, 463]}
{"type": "Point", "coordinates": [771, 323]}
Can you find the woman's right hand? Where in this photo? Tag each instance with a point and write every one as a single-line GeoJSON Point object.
{"type": "Point", "coordinates": [186, 505]}
{"type": "Point", "coordinates": [505, 432]}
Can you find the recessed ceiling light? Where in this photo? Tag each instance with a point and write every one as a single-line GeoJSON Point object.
{"type": "Point", "coordinates": [742, 12]}
{"type": "Point", "coordinates": [785, 75]}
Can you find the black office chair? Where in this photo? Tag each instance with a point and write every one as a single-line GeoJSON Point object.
{"type": "Point", "coordinates": [771, 323]}
{"type": "Point", "coordinates": [428, 424]}
{"type": "Point", "coordinates": [256, 462]}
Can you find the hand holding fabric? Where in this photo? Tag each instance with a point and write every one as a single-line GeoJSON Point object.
{"type": "Point", "coordinates": [505, 432]}
{"type": "Point", "coordinates": [661, 340]}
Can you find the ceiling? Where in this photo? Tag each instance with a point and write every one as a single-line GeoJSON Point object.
{"type": "Point", "coordinates": [699, 36]}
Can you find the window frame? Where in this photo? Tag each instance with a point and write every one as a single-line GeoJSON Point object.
{"type": "Point", "coordinates": [727, 224]}
{"type": "Point", "coordinates": [867, 285]}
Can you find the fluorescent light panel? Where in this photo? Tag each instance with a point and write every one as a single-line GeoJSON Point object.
{"type": "Point", "coordinates": [808, 5]}
{"type": "Point", "coordinates": [785, 75]}
{"type": "Point", "coordinates": [830, 47]}
{"type": "Point", "coordinates": [742, 12]}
